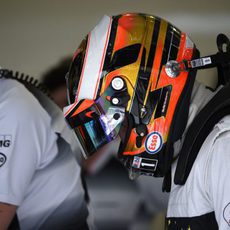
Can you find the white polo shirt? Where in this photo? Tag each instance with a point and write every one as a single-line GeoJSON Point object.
{"type": "Point", "coordinates": [204, 201]}
{"type": "Point", "coordinates": [38, 171]}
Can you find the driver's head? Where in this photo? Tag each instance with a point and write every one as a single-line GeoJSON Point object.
{"type": "Point", "coordinates": [119, 86]}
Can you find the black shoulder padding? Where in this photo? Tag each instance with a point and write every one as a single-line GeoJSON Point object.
{"type": "Point", "coordinates": [217, 108]}
{"type": "Point", "coordinates": [223, 66]}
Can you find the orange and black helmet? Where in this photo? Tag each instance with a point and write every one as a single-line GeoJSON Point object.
{"type": "Point", "coordinates": [125, 82]}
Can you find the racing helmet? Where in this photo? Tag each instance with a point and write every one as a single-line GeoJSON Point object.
{"type": "Point", "coordinates": [125, 82]}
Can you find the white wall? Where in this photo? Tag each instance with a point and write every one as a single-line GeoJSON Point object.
{"type": "Point", "coordinates": [34, 35]}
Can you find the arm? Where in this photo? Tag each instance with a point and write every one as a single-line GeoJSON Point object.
{"type": "Point", "coordinates": [24, 126]}
{"type": "Point", "coordinates": [7, 212]}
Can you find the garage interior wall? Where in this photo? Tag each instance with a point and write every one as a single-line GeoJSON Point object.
{"type": "Point", "coordinates": [35, 35]}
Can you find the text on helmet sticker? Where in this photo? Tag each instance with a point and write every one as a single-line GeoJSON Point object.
{"type": "Point", "coordinates": [145, 164]}
{"type": "Point", "coordinates": [153, 142]}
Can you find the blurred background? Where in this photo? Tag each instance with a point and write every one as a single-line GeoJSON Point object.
{"type": "Point", "coordinates": [36, 36]}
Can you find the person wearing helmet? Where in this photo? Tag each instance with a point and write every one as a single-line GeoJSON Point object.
{"type": "Point", "coordinates": [40, 179]}
{"type": "Point", "coordinates": [132, 81]}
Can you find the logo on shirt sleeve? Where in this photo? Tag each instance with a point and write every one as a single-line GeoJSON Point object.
{"type": "Point", "coordinates": [2, 159]}
{"type": "Point", "coordinates": [5, 141]}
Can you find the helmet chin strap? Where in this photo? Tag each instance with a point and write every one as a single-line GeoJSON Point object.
{"type": "Point", "coordinates": [141, 131]}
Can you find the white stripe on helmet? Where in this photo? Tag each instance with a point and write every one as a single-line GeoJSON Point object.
{"type": "Point", "coordinates": [94, 59]}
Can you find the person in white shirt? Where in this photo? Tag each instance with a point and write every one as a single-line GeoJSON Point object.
{"type": "Point", "coordinates": [40, 183]}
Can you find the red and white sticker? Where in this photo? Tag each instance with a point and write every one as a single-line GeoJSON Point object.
{"type": "Point", "coordinates": [153, 142]}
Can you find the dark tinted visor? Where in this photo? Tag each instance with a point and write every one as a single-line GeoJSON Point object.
{"type": "Point", "coordinates": [93, 126]}
{"type": "Point", "coordinates": [93, 135]}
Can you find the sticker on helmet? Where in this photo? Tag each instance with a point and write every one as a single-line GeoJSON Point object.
{"type": "Point", "coordinates": [136, 162]}
{"type": "Point", "coordinates": [153, 143]}
{"type": "Point", "coordinates": [2, 159]}
{"type": "Point", "coordinates": [145, 164]}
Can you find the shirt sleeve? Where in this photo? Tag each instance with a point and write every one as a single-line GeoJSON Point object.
{"type": "Point", "coordinates": [219, 180]}
{"type": "Point", "coordinates": [25, 139]}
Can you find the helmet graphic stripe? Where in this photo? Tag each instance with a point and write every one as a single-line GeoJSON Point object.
{"type": "Point", "coordinates": [144, 75]}
{"type": "Point", "coordinates": [109, 50]}
{"type": "Point", "coordinates": [97, 43]}
{"type": "Point", "coordinates": [172, 42]}
{"type": "Point", "coordinates": [158, 54]}
{"type": "Point", "coordinates": [175, 45]}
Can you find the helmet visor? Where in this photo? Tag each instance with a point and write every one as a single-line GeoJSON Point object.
{"type": "Point", "coordinates": [94, 126]}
